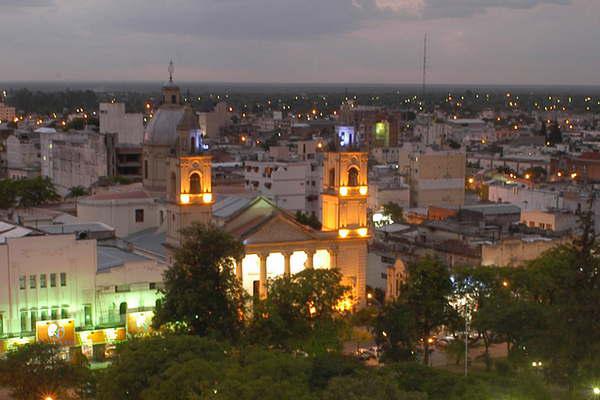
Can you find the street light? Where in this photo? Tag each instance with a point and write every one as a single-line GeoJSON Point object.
{"type": "Point", "coordinates": [596, 391]}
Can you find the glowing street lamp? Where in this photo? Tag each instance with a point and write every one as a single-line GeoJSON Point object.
{"type": "Point", "coordinates": [596, 391]}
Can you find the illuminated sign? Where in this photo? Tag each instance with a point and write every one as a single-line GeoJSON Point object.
{"type": "Point", "coordinates": [61, 332]}
{"type": "Point", "coordinates": [382, 132]}
{"type": "Point", "coordinates": [13, 343]}
{"type": "Point", "coordinates": [139, 323]}
{"type": "Point", "coordinates": [101, 336]}
{"type": "Point", "coordinates": [346, 135]}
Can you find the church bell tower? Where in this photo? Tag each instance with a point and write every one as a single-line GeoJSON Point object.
{"type": "Point", "coordinates": [345, 191]}
{"type": "Point", "coordinates": [189, 186]}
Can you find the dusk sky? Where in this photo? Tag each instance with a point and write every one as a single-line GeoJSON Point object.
{"type": "Point", "coordinates": [362, 41]}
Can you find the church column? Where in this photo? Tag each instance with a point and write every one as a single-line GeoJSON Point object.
{"type": "Point", "coordinates": [310, 256]}
{"type": "Point", "coordinates": [262, 290]}
{"type": "Point", "coordinates": [287, 263]}
{"type": "Point", "coordinates": [333, 257]}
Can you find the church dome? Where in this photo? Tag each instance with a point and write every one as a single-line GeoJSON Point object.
{"type": "Point", "coordinates": [162, 129]}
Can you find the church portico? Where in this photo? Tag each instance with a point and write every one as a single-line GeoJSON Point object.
{"type": "Point", "coordinates": [259, 265]}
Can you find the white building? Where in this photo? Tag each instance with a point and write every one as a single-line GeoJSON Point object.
{"type": "Point", "coordinates": [129, 127]}
{"type": "Point", "coordinates": [23, 155]}
{"type": "Point", "coordinates": [469, 131]}
{"type": "Point", "coordinates": [128, 212]}
{"type": "Point", "coordinates": [49, 277]}
{"type": "Point", "coordinates": [76, 158]}
{"type": "Point", "coordinates": [45, 278]}
{"type": "Point", "coordinates": [293, 186]}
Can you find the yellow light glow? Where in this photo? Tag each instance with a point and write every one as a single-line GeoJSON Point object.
{"type": "Point", "coordinates": [184, 198]}
{"type": "Point", "coordinates": [344, 191]}
{"type": "Point", "coordinates": [343, 233]}
{"type": "Point", "coordinates": [559, 174]}
{"type": "Point", "coordinates": [363, 231]}
{"type": "Point", "coordinates": [363, 190]}
{"type": "Point", "coordinates": [527, 176]}
{"type": "Point", "coordinates": [207, 197]}
{"type": "Point", "coordinates": [574, 175]}
{"type": "Point", "coordinates": [471, 181]}
{"type": "Point", "coordinates": [369, 296]}
{"type": "Point", "coordinates": [319, 145]}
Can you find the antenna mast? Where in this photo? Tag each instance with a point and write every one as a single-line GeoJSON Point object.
{"type": "Point", "coordinates": [424, 84]}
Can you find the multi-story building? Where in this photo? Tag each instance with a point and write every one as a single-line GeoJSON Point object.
{"type": "Point", "coordinates": [211, 122]}
{"type": "Point", "coordinates": [437, 178]}
{"type": "Point", "coordinates": [7, 113]}
{"type": "Point", "coordinates": [78, 158]}
{"type": "Point", "coordinates": [129, 127]}
{"type": "Point", "coordinates": [23, 155]}
{"type": "Point", "coordinates": [469, 131]}
{"type": "Point", "coordinates": [291, 185]}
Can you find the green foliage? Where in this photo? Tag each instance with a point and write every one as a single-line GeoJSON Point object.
{"type": "Point", "coordinates": [555, 134]}
{"type": "Point", "coordinates": [77, 191]}
{"type": "Point", "coordinates": [394, 212]}
{"type": "Point", "coordinates": [155, 363]}
{"type": "Point", "coordinates": [368, 385]}
{"type": "Point", "coordinates": [36, 370]}
{"type": "Point", "coordinates": [309, 220]}
{"type": "Point", "coordinates": [299, 309]}
{"type": "Point", "coordinates": [31, 192]}
{"type": "Point", "coordinates": [422, 307]}
{"type": "Point", "coordinates": [201, 291]}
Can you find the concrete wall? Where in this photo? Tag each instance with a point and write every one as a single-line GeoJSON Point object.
{"type": "Point", "coordinates": [120, 214]}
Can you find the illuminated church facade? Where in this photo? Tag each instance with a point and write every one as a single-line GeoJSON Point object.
{"type": "Point", "coordinates": [275, 243]}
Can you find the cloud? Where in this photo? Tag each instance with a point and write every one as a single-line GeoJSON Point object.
{"type": "Point", "coordinates": [26, 3]}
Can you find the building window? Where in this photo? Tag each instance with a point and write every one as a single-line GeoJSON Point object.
{"type": "Point", "coordinates": [44, 316]}
{"type": "Point", "coordinates": [43, 280]}
{"type": "Point", "coordinates": [22, 282]}
{"type": "Point", "coordinates": [145, 169]}
{"type": "Point", "coordinates": [161, 217]}
{"type": "Point", "coordinates": [54, 313]}
{"type": "Point", "coordinates": [195, 187]}
{"type": "Point", "coordinates": [34, 315]}
{"type": "Point", "coordinates": [52, 280]}
{"type": "Point", "coordinates": [32, 281]}
{"type": "Point", "coordinates": [64, 312]}
{"type": "Point", "coordinates": [63, 279]}
{"type": "Point", "coordinates": [332, 177]}
{"type": "Point", "coordinates": [152, 286]}
{"type": "Point", "coordinates": [353, 177]}
{"type": "Point", "coordinates": [87, 314]}
{"type": "Point", "coordinates": [123, 311]}
{"type": "Point", "coordinates": [1, 324]}
{"type": "Point", "coordinates": [23, 321]}
{"type": "Point", "coordinates": [139, 215]}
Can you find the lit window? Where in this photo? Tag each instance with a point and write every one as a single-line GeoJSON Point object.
{"type": "Point", "coordinates": [63, 279]}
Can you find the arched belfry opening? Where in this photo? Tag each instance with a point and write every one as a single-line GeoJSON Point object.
{"type": "Point", "coordinates": [353, 176]}
{"type": "Point", "coordinates": [195, 183]}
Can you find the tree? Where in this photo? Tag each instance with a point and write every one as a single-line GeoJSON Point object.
{"type": "Point", "coordinates": [35, 192]}
{"type": "Point", "coordinates": [368, 385]}
{"type": "Point", "coordinates": [555, 134]}
{"type": "Point", "coordinates": [30, 192]}
{"type": "Point", "coordinates": [77, 191]}
{"type": "Point", "coordinates": [201, 290]}
{"type": "Point", "coordinates": [151, 364]}
{"type": "Point", "coordinates": [543, 130]}
{"type": "Point", "coordinates": [300, 307]}
{"type": "Point", "coordinates": [393, 211]}
{"type": "Point", "coordinates": [422, 307]}
{"type": "Point", "coordinates": [36, 370]}
{"type": "Point", "coordinates": [309, 220]}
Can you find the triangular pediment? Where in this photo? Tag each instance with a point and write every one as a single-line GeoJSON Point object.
{"type": "Point", "coordinates": [279, 228]}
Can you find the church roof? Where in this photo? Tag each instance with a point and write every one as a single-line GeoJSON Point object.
{"type": "Point", "coordinates": [162, 129]}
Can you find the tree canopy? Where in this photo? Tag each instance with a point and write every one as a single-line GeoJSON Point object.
{"type": "Point", "coordinates": [202, 294]}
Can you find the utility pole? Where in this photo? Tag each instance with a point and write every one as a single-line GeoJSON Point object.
{"type": "Point", "coordinates": [466, 339]}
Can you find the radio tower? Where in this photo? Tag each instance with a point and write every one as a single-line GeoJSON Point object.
{"type": "Point", "coordinates": [424, 84]}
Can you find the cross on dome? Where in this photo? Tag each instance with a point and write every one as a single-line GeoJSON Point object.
{"type": "Point", "coordinates": [171, 70]}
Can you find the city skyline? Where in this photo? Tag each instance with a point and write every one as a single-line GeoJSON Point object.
{"type": "Point", "coordinates": [533, 42]}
